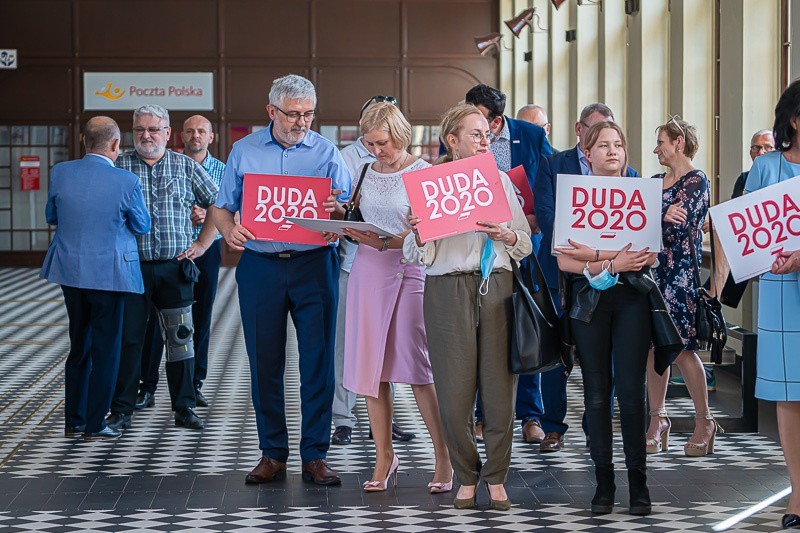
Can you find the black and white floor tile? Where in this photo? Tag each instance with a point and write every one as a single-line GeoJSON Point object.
{"type": "Point", "coordinates": [162, 478]}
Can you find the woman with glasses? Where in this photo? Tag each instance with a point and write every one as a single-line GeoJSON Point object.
{"type": "Point", "coordinates": [384, 331]}
{"type": "Point", "coordinates": [778, 375]}
{"type": "Point", "coordinates": [610, 322]}
{"type": "Point", "coordinates": [684, 206]}
{"type": "Point", "coordinates": [468, 326]}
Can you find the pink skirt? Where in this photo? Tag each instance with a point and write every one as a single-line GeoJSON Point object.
{"type": "Point", "coordinates": [384, 328]}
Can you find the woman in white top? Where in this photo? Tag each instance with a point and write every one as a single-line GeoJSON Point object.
{"type": "Point", "coordinates": [384, 332]}
{"type": "Point", "coordinates": [469, 328]}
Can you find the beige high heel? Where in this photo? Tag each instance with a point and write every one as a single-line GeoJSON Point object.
{"type": "Point", "coordinates": [701, 449]}
{"type": "Point", "coordinates": [662, 442]}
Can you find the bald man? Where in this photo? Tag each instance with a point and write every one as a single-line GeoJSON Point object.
{"type": "Point", "coordinates": [535, 114]}
{"type": "Point", "coordinates": [197, 135]}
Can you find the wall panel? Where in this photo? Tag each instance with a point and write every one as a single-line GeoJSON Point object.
{"type": "Point", "coordinates": [23, 27]}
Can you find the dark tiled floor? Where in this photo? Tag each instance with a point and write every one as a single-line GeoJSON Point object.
{"type": "Point", "coordinates": [162, 478]}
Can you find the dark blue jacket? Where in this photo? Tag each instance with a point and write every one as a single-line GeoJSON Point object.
{"type": "Point", "coordinates": [544, 201]}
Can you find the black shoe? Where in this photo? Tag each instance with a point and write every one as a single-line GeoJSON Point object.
{"type": "Point", "coordinates": [342, 435]}
{"type": "Point", "coordinates": [106, 434]}
{"type": "Point", "coordinates": [790, 521]}
{"type": "Point", "coordinates": [640, 495]}
{"type": "Point", "coordinates": [603, 501]}
{"type": "Point", "coordinates": [186, 418]}
{"type": "Point", "coordinates": [199, 399]}
{"type": "Point", "coordinates": [144, 400]}
{"type": "Point", "coordinates": [399, 434]}
{"type": "Point", "coordinates": [118, 421]}
{"type": "Point", "coordinates": [71, 432]}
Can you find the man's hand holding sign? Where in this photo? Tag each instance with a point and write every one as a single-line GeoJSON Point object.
{"type": "Point", "coordinates": [759, 228]}
{"type": "Point", "coordinates": [458, 197]}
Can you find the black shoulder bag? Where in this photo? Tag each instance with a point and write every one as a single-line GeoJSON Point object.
{"type": "Point", "coordinates": [352, 213]}
{"type": "Point", "coordinates": [536, 344]}
{"type": "Point", "coordinates": [710, 329]}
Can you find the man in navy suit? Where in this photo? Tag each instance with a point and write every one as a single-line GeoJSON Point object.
{"type": "Point", "coordinates": [98, 209]}
{"type": "Point", "coordinates": [572, 161]}
{"type": "Point", "coordinates": [514, 143]}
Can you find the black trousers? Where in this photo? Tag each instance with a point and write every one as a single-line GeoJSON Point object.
{"type": "Point", "coordinates": [95, 335]}
{"type": "Point", "coordinates": [618, 335]}
{"type": "Point", "coordinates": [205, 291]}
{"type": "Point", "coordinates": [164, 288]}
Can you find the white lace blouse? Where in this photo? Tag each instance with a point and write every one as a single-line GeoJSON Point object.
{"type": "Point", "coordinates": [384, 201]}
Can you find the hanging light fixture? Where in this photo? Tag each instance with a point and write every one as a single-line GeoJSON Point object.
{"type": "Point", "coordinates": [525, 18]}
{"type": "Point", "coordinates": [487, 43]}
{"type": "Point", "coordinates": [557, 3]}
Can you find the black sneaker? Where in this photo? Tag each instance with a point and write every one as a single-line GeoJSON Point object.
{"type": "Point", "coordinates": [199, 399]}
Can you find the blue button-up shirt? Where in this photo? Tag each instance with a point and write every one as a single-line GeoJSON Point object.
{"type": "Point", "coordinates": [215, 169]}
{"type": "Point", "coordinates": [585, 170]}
{"type": "Point", "coordinates": [260, 153]}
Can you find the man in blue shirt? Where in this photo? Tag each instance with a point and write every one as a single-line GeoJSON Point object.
{"type": "Point", "coordinates": [572, 161]}
{"type": "Point", "coordinates": [278, 278]}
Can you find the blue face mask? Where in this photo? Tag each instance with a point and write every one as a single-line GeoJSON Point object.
{"type": "Point", "coordinates": [604, 280]}
{"type": "Point", "coordinates": [487, 263]}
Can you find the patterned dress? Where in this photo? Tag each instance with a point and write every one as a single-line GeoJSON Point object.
{"type": "Point", "coordinates": [675, 272]}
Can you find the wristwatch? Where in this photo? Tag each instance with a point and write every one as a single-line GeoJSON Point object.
{"type": "Point", "coordinates": [385, 244]}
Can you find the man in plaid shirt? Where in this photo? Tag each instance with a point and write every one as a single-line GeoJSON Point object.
{"type": "Point", "coordinates": [171, 184]}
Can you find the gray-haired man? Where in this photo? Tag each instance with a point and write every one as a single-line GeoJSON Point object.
{"type": "Point", "coordinates": [171, 184]}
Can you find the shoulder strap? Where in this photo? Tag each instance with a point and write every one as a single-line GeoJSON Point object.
{"type": "Point", "coordinates": [354, 195]}
{"type": "Point", "coordinates": [695, 261]}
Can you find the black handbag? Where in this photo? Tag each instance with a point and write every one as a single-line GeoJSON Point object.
{"type": "Point", "coordinates": [710, 329]}
{"type": "Point", "coordinates": [352, 213]}
{"type": "Point", "coordinates": [536, 344]}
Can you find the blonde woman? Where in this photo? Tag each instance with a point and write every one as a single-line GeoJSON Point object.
{"type": "Point", "coordinates": [469, 332]}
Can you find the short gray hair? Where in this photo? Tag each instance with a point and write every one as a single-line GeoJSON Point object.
{"type": "Point", "coordinates": [153, 110]}
{"type": "Point", "coordinates": [759, 133]}
{"type": "Point", "coordinates": [597, 107]}
{"type": "Point", "coordinates": [100, 133]}
{"type": "Point", "coordinates": [292, 87]}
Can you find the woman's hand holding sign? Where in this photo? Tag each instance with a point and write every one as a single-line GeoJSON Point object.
{"type": "Point", "coordinates": [627, 261]}
{"type": "Point", "coordinates": [497, 232]}
{"type": "Point", "coordinates": [413, 220]}
{"type": "Point", "coordinates": [786, 262]}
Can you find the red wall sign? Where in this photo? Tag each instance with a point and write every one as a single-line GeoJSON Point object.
{"type": "Point", "coordinates": [29, 173]}
{"type": "Point", "coordinates": [451, 198]}
{"type": "Point", "coordinates": [268, 199]}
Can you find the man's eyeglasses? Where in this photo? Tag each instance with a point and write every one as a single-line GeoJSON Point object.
{"type": "Point", "coordinates": [151, 131]}
{"type": "Point", "coordinates": [376, 100]}
{"type": "Point", "coordinates": [674, 119]}
{"type": "Point", "coordinates": [294, 116]}
{"type": "Point", "coordinates": [478, 138]}
{"type": "Point", "coordinates": [762, 148]}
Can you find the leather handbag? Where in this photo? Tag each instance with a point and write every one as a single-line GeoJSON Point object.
{"type": "Point", "coordinates": [352, 213]}
{"type": "Point", "coordinates": [711, 330]}
{"type": "Point", "coordinates": [536, 344]}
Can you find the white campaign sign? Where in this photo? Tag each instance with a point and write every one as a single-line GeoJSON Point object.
{"type": "Point", "coordinates": [130, 90]}
{"type": "Point", "coordinates": [755, 227]}
{"type": "Point", "coordinates": [607, 213]}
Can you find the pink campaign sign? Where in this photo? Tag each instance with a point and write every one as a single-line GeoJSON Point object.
{"type": "Point", "coordinates": [451, 198]}
{"type": "Point", "coordinates": [522, 188]}
{"type": "Point", "coordinates": [268, 199]}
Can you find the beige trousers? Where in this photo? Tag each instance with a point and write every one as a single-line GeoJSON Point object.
{"type": "Point", "coordinates": [468, 341]}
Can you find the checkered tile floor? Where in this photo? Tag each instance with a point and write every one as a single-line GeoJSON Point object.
{"type": "Point", "coordinates": [162, 478]}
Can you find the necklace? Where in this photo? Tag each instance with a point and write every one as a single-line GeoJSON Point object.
{"type": "Point", "coordinates": [398, 168]}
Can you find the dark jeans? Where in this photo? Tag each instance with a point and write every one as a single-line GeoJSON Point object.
{"type": "Point", "coordinates": [205, 291]}
{"type": "Point", "coordinates": [618, 336]}
{"type": "Point", "coordinates": [164, 288]}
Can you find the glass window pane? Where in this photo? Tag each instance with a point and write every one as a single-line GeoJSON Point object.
{"type": "Point", "coordinates": [57, 155]}
{"type": "Point", "coordinates": [5, 178]}
{"type": "Point", "coordinates": [5, 198]}
{"type": "Point", "coordinates": [41, 239]}
{"type": "Point", "coordinates": [348, 134]}
{"type": "Point", "coordinates": [5, 157]}
{"type": "Point", "coordinates": [58, 135]}
{"type": "Point", "coordinates": [330, 133]}
{"type": "Point", "coordinates": [5, 219]}
{"type": "Point", "coordinates": [19, 135]}
{"type": "Point", "coordinates": [5, 241]}
{"type": "Point", "coordinates": [4, 135]}
{"type": "Point", "coordinates": [20, 241]}
{"type": "Point", "coordinates": [39, 135]}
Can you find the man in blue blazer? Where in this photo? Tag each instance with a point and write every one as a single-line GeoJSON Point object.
{"type": "Point", "coordinates": [98, 209]}
{"type": "Point", "coordinates": [572, 161]}
{"type": "Point", "coordinates": [514, 143]}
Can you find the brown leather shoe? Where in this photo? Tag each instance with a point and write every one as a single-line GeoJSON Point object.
{"type": "Point", "coordinates": [532, 432]}
{"type": "Point", "coordinates": [319, 472]}
{"type": "Point", "coordinates": [552, 442]}
{"type": "Point", "coordinates": [479, 431]}
{"type": "Point", "coordinates": [268, 469]}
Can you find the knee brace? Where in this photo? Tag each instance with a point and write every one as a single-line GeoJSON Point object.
{"type": "Point", "coordinates": [177, 330]}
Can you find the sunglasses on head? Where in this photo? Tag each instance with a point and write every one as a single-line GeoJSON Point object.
{"type": "Point", "coordinates": [376, 100]}
{"type": "Point", "coordinates": [674, 119]}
